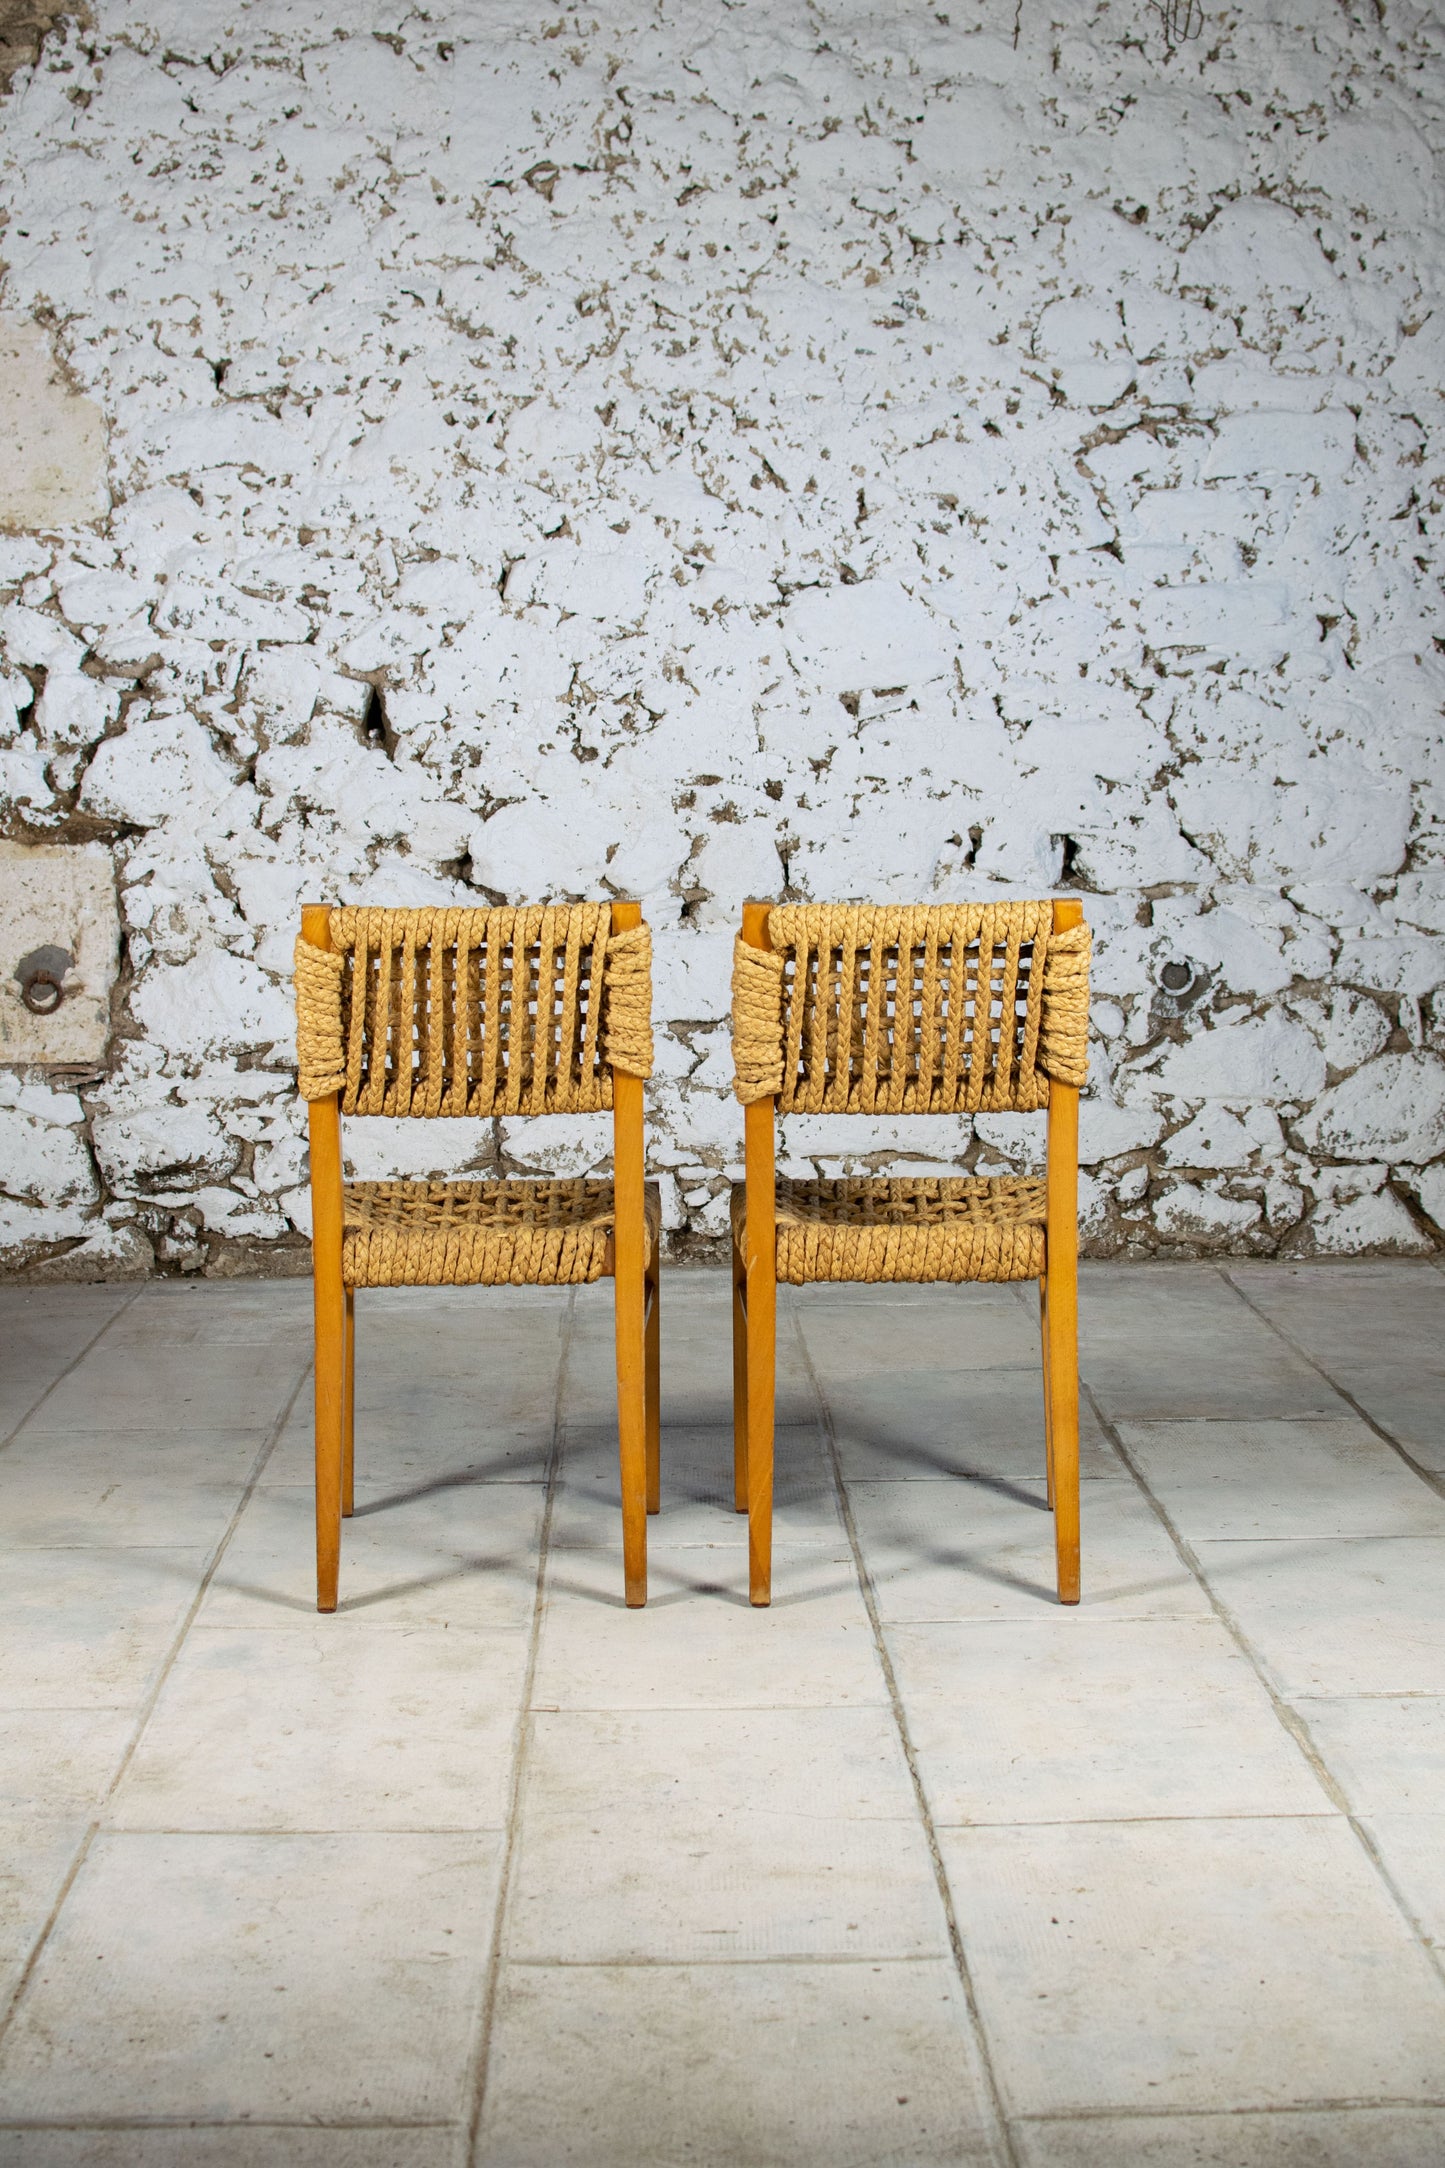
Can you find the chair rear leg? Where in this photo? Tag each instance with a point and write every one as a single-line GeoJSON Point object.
{"type": "Point", "coordinates": [740, 1387]}
{"type": "Point", "coordinates": [1048, 1412]}
{"type": "Point", "coordinates": [1063, 1385]}
{"type": "Point", "coordinates": [330, 1431]}
{"type": "Point", "coordinates": [762, 1293]}
{"type": "Point", "coordinates": [348, 1409]}
{"type": "Point", "coordinates": [652, 1295]}
{"type": "Point", "coordinates": [630, 1293]}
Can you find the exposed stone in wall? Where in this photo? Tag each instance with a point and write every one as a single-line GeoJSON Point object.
{"type": "Point", "coordinates": [23, 25]}
{"type": "Point", "coordinates": [52, 441]}
{"type": "Point", "coordinates": [59, 939]}
{"type": "Point", "coordinates": [821, 449]}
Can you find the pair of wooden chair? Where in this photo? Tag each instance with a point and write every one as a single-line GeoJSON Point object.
{"type": "Point", "coordinates": [943, 1009]}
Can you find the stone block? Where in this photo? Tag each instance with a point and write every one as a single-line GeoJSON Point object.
{"type": "Point", "coordinates": [58, 917]}
{"type": "Point", "coordinates": [52, 440]}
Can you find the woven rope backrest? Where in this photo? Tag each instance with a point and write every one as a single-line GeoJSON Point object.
{"type": "Point", "coordinates": [454, 1012]}
{"type": "Point", "coordinates": [910, 1009]}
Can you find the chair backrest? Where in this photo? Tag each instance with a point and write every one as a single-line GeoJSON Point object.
{"type": "Point", "coordinates": [443, 1011]}
{"type": "Point", "coordinates": [910, 1008]}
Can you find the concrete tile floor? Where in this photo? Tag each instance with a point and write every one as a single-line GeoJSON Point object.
{"type": "Point", "coordinates": [914, 1868]}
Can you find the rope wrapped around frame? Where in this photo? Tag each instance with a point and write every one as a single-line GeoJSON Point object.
{"type": "Point", "coordinates": [910, 1008]}
{"type": "Point", "coordinates": [450, 1012]}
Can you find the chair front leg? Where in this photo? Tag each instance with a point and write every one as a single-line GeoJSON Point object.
{"type": "Point", "coordinates": [348, 1409]}
{"type": "Point", "coordinates": [330, 1429]}
{"type": "Point", "coordinates": [740, 1386]}
{"type": "Point", "coordinates": [1048, 1426]}
{"type": "Point", "coordinates": [652, 1296]}
{"type": "Point", "coordinates": [762, 1299]}
{"type": "Point", "coordinates": [631, 1296]}
{"type": "Point", "coordinates": [1063, 1391]}
{"type": "Point", "coordinates": [331, 1300]}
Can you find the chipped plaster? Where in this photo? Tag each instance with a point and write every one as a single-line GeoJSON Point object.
{"type": "Point", "coordinates": [903, 453]}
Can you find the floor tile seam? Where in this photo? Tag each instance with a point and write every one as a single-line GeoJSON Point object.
{"type": "Point", "coordinates": [106, 1826]}
{"type": "Point", "coordinates": [992, 2083]}
{"type": "Point", "coordinates": [148, 1703]}
{"type": "Point", "coordinates": [700, 1961]}
{"type": "Point", "coordinates": [76, 1359]}
{"type": "Point", "coordinates": [1135, 2112]}
{"type": "Point", "coordinates": [1291, 1722]}
{"type": "Point", "coordinates": [477, 2069]}
{"type": "Point", "coordinates": [80, 1550]}
{"type": "Point", "coordinates": [121, 2123]}
{"type": "Point", "coordinates": [1142, 1423]}
{"type": "Point", "coordinates": [710, 1708]}
{"type": "Point", "coordinates": [1432, 1479]}
{"type": "Point", "coordinates": [1403, 1693]}
{"type": "Point", "coordinates": [1302, 1815]}
{"type": "Point", "coordinates": [1396, 1535]}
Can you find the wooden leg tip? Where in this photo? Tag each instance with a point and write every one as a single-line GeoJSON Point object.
{"type": "Point", "coordinates": [636, 1595]}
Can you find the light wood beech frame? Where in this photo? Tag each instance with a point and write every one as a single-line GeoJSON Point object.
{"type": "Point", "coordinates": [635, 1274]}
{"type": "Point", "coordinates": [754, 1288]}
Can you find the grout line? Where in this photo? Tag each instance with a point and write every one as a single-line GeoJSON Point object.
{"type": "Point", "coordinates": [1287, 1715]}
{"type": "Point", "coordinates": [148, 1704]}
{"type": "Point", "coordinates": [204, 2122]}
{"type": "Point", "coordinates": [955, 1938]}
{"type": "Point", "coordinates": [481, 2053]}
{"type": "Point", "coordinates": [1429, 1476]}
{"type": "Point", "coordinates": [77, 1358]}
{"type": "Point", "coordinates": [1346, 2104]}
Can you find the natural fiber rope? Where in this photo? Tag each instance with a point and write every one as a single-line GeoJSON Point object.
{"type": "Point", "coordinates": [993, 1005]}
{"type": "Point", "coordinates": [483, 1234]}
{"type": "Point", "coordinates": [757, 1022]}
{"type": "Point", "coordinates": [910, 1228]}
{"type": "Point", "coordinates": [1064, 1025]}
{"type": "Point", "coordinates": [320, 1050]}
{"type": "Point", "coordinates": [444, 1011]}
{"type": "Point", "coordinates": [627, 1022]}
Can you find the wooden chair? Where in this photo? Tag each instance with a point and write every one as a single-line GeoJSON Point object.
{"type": "Point", "coordinates": [897, 1009]}
{"type": "Point", "coordinates": [477, 1014]}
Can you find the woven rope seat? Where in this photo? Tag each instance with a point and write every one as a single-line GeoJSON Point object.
{"type": "Point", "coordinates": [911, 1228]}
{"type": "Point", "coordinates": [483, 1234]}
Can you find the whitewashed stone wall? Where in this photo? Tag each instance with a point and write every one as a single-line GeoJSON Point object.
{"type": "Point", "coordinates": [699, 450]}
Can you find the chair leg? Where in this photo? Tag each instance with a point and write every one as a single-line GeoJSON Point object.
{"type": "Point", "coordinates": [1063, 1387]}
{"type": "Point", "coordinates": [630, 1291]}
{"type": "Point", "coordinates": [348, 1410]}
{"type": "Point", "coordinates": [761, 1361]}
{"type": "Point", "coordinates": [740, 1388]}
{"type": "Point", "coordinates": [1048, 1423]}
{"type": "Point", "coordinates": [652, 1295]}
{"type": "Point", "coordinates": [330, 1431]}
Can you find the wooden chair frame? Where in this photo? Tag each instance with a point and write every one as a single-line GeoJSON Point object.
{"type": "Point", "coordinates": [635, 1275]}
{"type": "Point", "coordinates": [755, 1297]}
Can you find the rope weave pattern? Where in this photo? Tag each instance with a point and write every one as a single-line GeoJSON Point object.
{"type": "Point", "coordinates": [950, 1227]}
{"type": "Point", "coordinates": [910, 1008]}
{"type": "Point", "coordinates": [442, 1012]}
{"type": "Point", "coordinates": [483, 1234]}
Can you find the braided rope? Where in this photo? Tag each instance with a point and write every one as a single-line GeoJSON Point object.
{"type": "Point", "coordinates": [446, 1011]}
{"type": "Point", "coordinates": [896, 1008]}
{"type": "Point", "coordinates": [908, 1228]}
{"type": "Point", "coordinates": [483, 1234]}
{"type": "Point", "coordinates": [1064, 1025]}
{"type": "Point", "coordinates": [320, 1052]}
{"type": "Point", "coordinates": [757, 1022]}
{"type": "Point", "coordinates": [627, 1023]}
